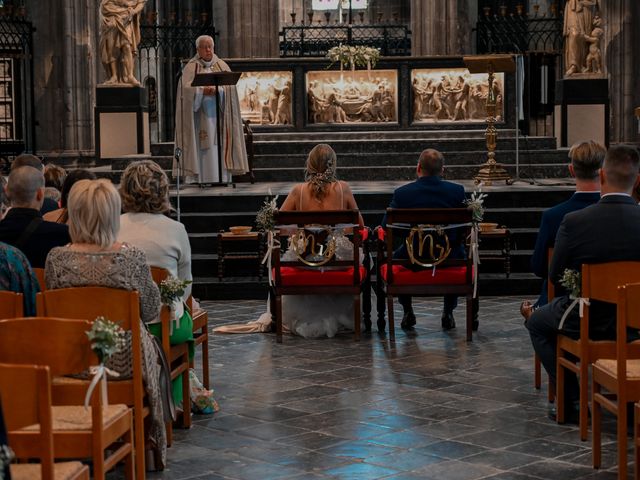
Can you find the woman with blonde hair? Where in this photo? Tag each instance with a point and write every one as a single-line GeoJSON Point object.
{"type": "Point", "coordinates": [313, 316]}
{"type": "Point", "coordinates": [95, 258]}
{"type": "Point", "coordinates": [321, 190]}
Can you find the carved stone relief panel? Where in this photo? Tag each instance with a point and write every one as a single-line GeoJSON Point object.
{"type": "Point", "coordinates": [453, 95]}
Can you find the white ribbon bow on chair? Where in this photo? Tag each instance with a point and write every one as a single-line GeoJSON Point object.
{"type": "Point", "coordinates": [578, 301]}
{"type": "Point", "coordinates": [99, 372]}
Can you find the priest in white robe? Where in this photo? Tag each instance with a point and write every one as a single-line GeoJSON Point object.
{"type": "Point", "coordinates": [196, 123]}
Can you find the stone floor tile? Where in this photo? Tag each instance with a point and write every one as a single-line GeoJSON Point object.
{"type": "Point", "coordinates": [425, 406]}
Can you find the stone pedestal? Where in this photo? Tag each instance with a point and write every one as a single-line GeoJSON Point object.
{"type": "Point", "coordinates": [121, 121]}
{"type": "Point", "coordinates": [582, 111]}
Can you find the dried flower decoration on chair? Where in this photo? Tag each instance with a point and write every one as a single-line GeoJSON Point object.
{"type": "Point", "coordinates": [265, 217]}
{"type": "Point", "coordinates": [476, 204]}
{"type": "Point", "coordinates": [572, 281]}
{"type": "Point", "coordinates": [107, 338]}
{"type": "Point", "coordinates": [172, 289]}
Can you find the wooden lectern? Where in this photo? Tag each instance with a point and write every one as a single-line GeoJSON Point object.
{"type": "Point", "coordinates": [217, 80]}
{"type": "Point", "coordinates": [491, 171]}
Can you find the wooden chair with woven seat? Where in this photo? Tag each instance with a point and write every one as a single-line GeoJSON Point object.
{"type": "Point", "coordinates": [11, 304]}
{"type": "Point", "coordinates": [323, 275]}
{"type": "Point", "coordinates": [425, 277]}
{"type": "Point", "coordinates": [599, 282]}
{"type": "Point", "coordinates": [537, 366]}
{"type": "Point", "coordinates": [616, 382]}
{"type": "Point", "coordinates": [25, 391]}
{"type": "Point", "coordinates": [200, 337]}
{"type": "Point", "coordinates": [177, 356]}
{"type": "Point", "coordinates": [63, 346]}
{"type": "Point", "coordinates": [123, 307]}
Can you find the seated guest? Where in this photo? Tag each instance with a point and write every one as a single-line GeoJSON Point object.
{"type": "Point", "coordinates": [4, 201]}
{"type": "Point", "coordinates": [586, 161]}
{"type": "Point", "coordinates": [430, 191]}
{"type": "Point", "coordinates": [53, 179]}
{"type": "Point", "coordinates": [95, 258]}
{"type": "Point", "coordinates": [16, 276]}
{"type": "Point", "coordinates": [28, 160]}
{"type": "Point", "coordinates": [60, 215]}
{"type": "Point", "coordinates": [604, 232]}
{"type": "Point", "coordinates": [144, 189]}
{"type": "Point", "coordinates": [23, 226]}
{"type": "Point", "coordinates": [314, 316]}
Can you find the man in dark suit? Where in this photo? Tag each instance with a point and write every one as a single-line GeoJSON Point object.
{"type": "Point", "coordinates": [586, 161]}
{"type": "Point", "coordinates": [28, 160]}
{"type": "Point", "coordinates": [23, 226]}
{"type": "Point", "coordinates": [604, 232]}
{"type": "Point", "coordinates": [429, 191]}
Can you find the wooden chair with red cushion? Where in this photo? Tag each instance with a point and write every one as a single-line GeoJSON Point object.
{"type": "Point", "coordinates": [419, 278]}
{"type": "Point", "coordinates": [103, 432]}
{"type": "Point", "coordinates": [177, 356]}
{"type": "Point", "coordinates": [26, 400]}
{"type": "Point", "coordinates": [616, 382]}
{"type": "Point", "coordinates": [325, 275]}
{"type": "Point", "coordinates": [123, 307]}
{"type": "Point", "coordinates": [599, 282]}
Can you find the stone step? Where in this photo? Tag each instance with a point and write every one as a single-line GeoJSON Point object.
{"type": "Point", "coordinates": [378, 159]}
{"type": "Point", "coordinates": [400, 145]}
{"type": "Point", "coordinates": [406, 173]}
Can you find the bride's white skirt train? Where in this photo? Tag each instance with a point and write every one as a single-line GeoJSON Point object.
{"type": "Point", "coordinates": [315, 316]}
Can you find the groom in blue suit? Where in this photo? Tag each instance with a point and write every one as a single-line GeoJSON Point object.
{"type": "Point", "coordinates": [430, 191]}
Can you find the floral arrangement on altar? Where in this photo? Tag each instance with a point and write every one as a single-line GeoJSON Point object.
{"type": "Point", "coordinates": [354, 56]}
{"type": "Point", "coordinates": [107, 338]}
{"type": "Point", "coordinates": [172, 290]}
{"type": "Point", "coordinates": [476, 205]}
{"type": "Point", "coordinates": [572, 281]}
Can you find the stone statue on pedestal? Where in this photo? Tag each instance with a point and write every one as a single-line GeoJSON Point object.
{"type": "Point", "coordinates": [582, 32]}
{"type": "Point", "coordinates": [119, 38]}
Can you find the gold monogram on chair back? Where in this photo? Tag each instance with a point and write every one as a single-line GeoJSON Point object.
{"type": "Point", "coordinates": [432, 243]}
{"type": "Point", "coordinates": [310, 249]}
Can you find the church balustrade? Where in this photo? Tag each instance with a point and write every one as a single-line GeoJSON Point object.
{"type": "Point", "coordinates": [17, 133]}
{"type": "Point", "coordinates": [316, 40]}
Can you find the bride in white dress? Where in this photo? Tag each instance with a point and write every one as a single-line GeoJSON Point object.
{"type": "Point", "coordinates": [313, 316]}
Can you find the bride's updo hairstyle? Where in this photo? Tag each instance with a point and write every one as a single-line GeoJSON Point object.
{"type": "Point", "coordinates": [321, 169]}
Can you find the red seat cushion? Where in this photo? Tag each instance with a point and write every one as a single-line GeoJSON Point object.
{"type": "Point", "coordinates": [443, 276]}
{"type": "Point", "coordinates": [317, 277]}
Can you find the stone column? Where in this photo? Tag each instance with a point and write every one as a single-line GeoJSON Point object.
{"type": "Point", "coordinates": [622, 23]}
{"type": "Point", "coordinates": [64, 72]}
{"type": "Point", "coordinates": [440, 27]}
{"type": "Point", "coordinates": [248, 28]}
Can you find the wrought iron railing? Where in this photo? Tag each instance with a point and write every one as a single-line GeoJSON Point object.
{"type": "Point", "coordinates": [162, 51]}
{"type": "Point", "coordinates": [518, 34]}
{"type": "Point", "coordinates": [17, 125]}
{"type": "Point", "coordinates": [315, 41]}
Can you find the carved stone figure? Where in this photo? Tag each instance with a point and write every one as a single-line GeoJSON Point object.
{"type": "Point", "coordinates": [578, 24]}
{"type": "Point", "coordinates": [594, 58]}
{"type": "Point", "coordinates": [119, 38]}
